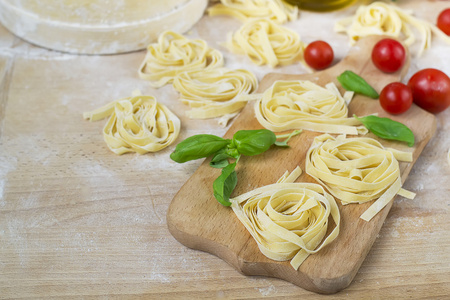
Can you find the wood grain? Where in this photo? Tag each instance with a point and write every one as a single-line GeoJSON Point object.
{"type": "Point", "coordinates": [197, 220]}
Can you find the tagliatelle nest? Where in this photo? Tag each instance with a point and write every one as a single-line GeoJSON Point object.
{"type": "Point", "coordinates": [174, 54]}
{"type": "Point", "coordinates": [357, 170]}
{"type": "Point", "coordinates": [288, 220]}
{"type": "Point", "coordinates": [302, 104]}
{"type": "Point", "coordinates": [214, 92]}
{"type": "Point", "coordinates": [265, 42]}
{"type": "Point", "coordinates": [245, 10]}
{"type": "Point", "coordinates": [380, 18]}
{"type": "Point", "coordinates": [137, 124]}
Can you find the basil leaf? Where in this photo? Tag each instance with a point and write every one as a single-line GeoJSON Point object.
{"type": "Point", "coordinates": [388, 129]}
{"type": "Point", "coordinates": [288, 137]}
{"type": "Point", "coordinates": [219, 164]}
{"type": "Point", "coordinates": [198, 146]}
{"type": "Point", "coordinates": [353, 82]}
{"type": "Point", "coordinates": [220, 159]}
{"type": "Point", "coordinates": [253, 142]}
{"type": "Point", "coordinates": [224, 185]}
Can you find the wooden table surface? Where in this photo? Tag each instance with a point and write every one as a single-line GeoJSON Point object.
{"type": "Point", "coordinates": [78, 221]}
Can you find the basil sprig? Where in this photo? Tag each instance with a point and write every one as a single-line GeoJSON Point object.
{"type": "Point", "coordinates": [244, 142]}
{"type": "Point", "coordinates": [388, 129]}
{"type": "Point", "coordinates": [198, 146]}
{"type": "Point", "coordinates": [288, 137]}
{"type": "Point", "coordinates": [253, 142]}
{"type": "Point", "coordinates": [355, 83]}
{"type": "Point", "coordinates": [220, 158]}
{"type": "Point", "coordinates": [224, 185]}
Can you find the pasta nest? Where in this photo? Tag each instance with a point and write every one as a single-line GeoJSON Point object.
{"type": "Point", "coordinates": [265, 42]}
{"type": "Point", "coordinates": [288, 220]}
{"type": "Point", "coordinates": [380, 18]}
{"type": "Point", "coordinates": [275, 10]}
{"type": "Point", "coordinates": [214, 92]}
{"type": "Point", "coordinates": [356, 170]}
{"type": "Point", "coordinates": [302, 104]}
{"type": "Point", "coordinates": [173, 54]}
{"type": "Point", "coordinates": [137, 124]}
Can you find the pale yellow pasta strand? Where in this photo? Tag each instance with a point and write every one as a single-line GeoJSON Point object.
{"type": "Point", "coordinates": [288, 220]}
{"type": "Point", "coordinates": [265, 42]}
{"type": "Point", "coordinates": [356, 170]}
{"type": "Point", "coordinates": [174, 54]}
{"type": "Point", "coordinates": [137, 124]}
{"type": "Point", "coordinates": [244, 10]}
{"type": "Point", "coordinates": [215, 92]}
{"type": "Point", "coordinates": [448, 156]}
{"type": "Point", "coordinates": [380, 18]}
{"type": "Point", "coordinates": [302, 104]}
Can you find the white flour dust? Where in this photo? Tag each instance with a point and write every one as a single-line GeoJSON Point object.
{"type": "Point", "coordinates": [28, 51]}
{"type": "Point", "coordinates": [266, 291]}
{"type": "Point", "coordinates": [18, 241]}
{"type": "Point", "coordinates": [8, 164]}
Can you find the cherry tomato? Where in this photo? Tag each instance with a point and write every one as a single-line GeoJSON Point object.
{"type": "Point", "coordinates": [443, 21]}
{"type": "Point", "coordinates": [388, 55]}
{"type": "Point", "coordinates": [319, 55]}
{"type": "Point", "coordinates": [396, 98]}
{"type": "Point", "coordinates": [431, 90]}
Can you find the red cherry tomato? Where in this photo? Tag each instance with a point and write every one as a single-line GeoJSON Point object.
{"type": "Point", "coordinates": [388, 55]}
{"type": "Point", "coordinates": [443, 21]}
{"type": "Point", "coordinates": [396, 98]}
{"type": "Point", "coordinates": [319, 55]}
{"type": "Point", "coordinates": [431, 90]}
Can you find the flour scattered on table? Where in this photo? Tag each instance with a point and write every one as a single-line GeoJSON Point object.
{"type": "Point", "coordinates": [266, 291]}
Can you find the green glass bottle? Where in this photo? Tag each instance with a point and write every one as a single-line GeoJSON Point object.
{"type": "Point", "coordinates": [321, 5]}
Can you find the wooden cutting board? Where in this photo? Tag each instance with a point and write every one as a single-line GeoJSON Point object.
{"type": "Point", "coordinates": [198, 221]}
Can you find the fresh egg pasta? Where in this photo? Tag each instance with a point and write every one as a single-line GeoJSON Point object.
{"type": "Point", "coordinates": [174, 54]}
{"type": "Point", "coordinates": [357, 170]}
{"type": "Point", "coordinates": [137, 124]}
{"type": "Point", "coordinates": [215, 92]}
{"type": "Point", "coordinates": [302, 104]}
{"type": "Point", "coordinates": [288, 220]}
{"type": "Point", "coordinates": [244, 10]}
{"type": "Point", "coordinates": [380, 18]}
{"type": "Point", "coordinates": [265, 42]}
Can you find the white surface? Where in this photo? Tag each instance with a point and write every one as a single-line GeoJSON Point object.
{"type": "Point", "coordinates": [86, 27]}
